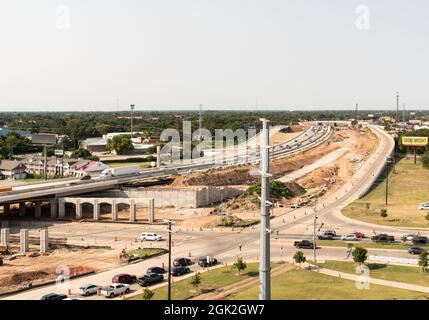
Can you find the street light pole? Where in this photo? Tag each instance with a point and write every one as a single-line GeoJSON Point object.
{"type": "Point", "coordinates": [169, 260]}
{"type": "Point", "coordinates": [264, 263]}
{"type": "Point", "coordinates": [132, 106]}
{"type": "Point", "coordinates": [387, 178]}
{"type": "Point", "coordinates": [314, 231]}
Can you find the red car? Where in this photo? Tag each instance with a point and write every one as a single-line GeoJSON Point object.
{"type": "Point", "coordinates": [359, 235]}
{"type": "Point", "coordinates": [124, 278]}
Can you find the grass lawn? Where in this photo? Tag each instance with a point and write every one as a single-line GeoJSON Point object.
{"type": "Point", "coordinates": [365, 244]}
{"type": "Point", "coordinates": [213, 279]}
{"type": "Point", "coordinates": [143, 165]}
{"type": "Point", "coordinates": [291, 285]}
{"type": "Point", "coordinates": [405, 274]}
{"type": "Point", "coordinates": [408, 188]}
{"type": "Point", "coordinates": [310, 285]}
{"type": "Point", "coordinates": [144, 253]}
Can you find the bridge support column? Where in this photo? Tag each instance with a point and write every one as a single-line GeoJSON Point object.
{"type": "Point", "coordinates": [61, 208]}
{"type": "Point", "coordinates": [23, 240]}
{"type": "Point", "coordinates": [151, 211]}
{"type": "Point", "coordinates": [38, 210]}
{"type": "Point", "coordinates": [158, 156]}
{"type": "Point", "coordinates": [96, 207]}
{"type": "Point", "coordinates": [44, 240]}
{"type": "Point", "coordinates": [114, 211]}
{"type": "Point", "coordinates": [132, 211]}
{"type": "Point", "coordinates": [53, 203]}
{"type": "Point", "coordinates": [4, 237]}
{"type": "Point", "coordinates": [78, 210]}
{"type": "Point", "coordinates": [6, 208]}
{"type": "Point", "coordinates": [22, 209]}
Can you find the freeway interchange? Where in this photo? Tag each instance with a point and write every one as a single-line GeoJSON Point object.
{"type": "Point", "coordinates": [285, 229]}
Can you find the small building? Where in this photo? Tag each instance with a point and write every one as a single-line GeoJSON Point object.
{"type": "Point", "coordinates": [93, 145]}
{"type": "Point", "coordinates": [12, 170]}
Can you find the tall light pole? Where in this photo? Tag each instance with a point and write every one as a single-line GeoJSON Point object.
{"type": "Point", "coordinates": [314, 231]}
{"type": "Point", "coordinates": [397, 107]}
{"type": "Point", "coordinates": [132, 106]}
{"type": "Point", "coordinates": [264, 263]}
{"type": "Point", "coordinates": [388, 160]}
{"type": "Point", "coordinates": [169, 260]}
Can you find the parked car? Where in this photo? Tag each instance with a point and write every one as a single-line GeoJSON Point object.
{"type": "Point", "coordinates": [383, 238]}
{"type": "Point", "coordinates": [182, 262]}
{"type": "Point", "coordinates": [157, 270]}
{"type": "Point", "coordinates": [304, 244]}
{"type": "Point", "coordinates": [420, 239]}
{"type": "Point", "coordinates": [325, 236]}
{"type": "Point", "coordinates": [53, 296]}
{"type": "Point", "coordinates": [408, 237]}
{"type": "Point", "coordinates": [150, 279]}
{"type": "Point", "coordinates": [330, 232]}
{"type": "Point", "coordinates": [180, 271]}
{"type": "Point", "coordinates": [150, 236]}
{"type": "Point", "coordinates": [115, 289]}
{"type": "Point", "coordinates": [124, 278]}
{"type": "Point", "coordinates": [360, 235]}
{"type": "Point", "coordinates": [415, 250]}
{"type": "Point", "coordinates": [207, 262]}
{"type": "Point", "coordinates": [88, 289]}
{"type": "Point", "coordinates": [350, 237]}
{"type": "Point", "coordinates": [424, 206]}
{"type": "Point", "coordinates": [85, 177]}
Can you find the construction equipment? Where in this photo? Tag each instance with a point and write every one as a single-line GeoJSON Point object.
{"type": "Point", "coordinates": [4, 249]}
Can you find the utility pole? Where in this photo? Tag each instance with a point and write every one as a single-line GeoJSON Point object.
{"type": "Point", "coordinates": [356, 113]}
{"type": "Point", "coordinates": [314, 231]}
{"type": "Point", "coordinates": [397, 107]}
{"type": "Point", "coordinates": [169, 260]}
{"type": "Point", "coordinates": [264, 263]}
{"type": "Point", "coordinates": [132, 106]}
{"type": "Point", "coordinates": [45, 162]}
{"type": "Point", "coordinates": [200, 122]}
{"type": "Point", "coordinates": [387, 177]}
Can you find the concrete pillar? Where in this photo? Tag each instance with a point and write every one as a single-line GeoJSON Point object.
{"type": "Point", "coordinates": [23, 240]}
{"type": "Point", "coordinates": [53, 204]}
{"type": "Point", "coordinates": [151, 210]}
{"type": "Point", "coordinates": [6, 208]}
{"type": "Point", "coordinates": [44, 240]}
{"type": "Point", "coordinates": [114, 211]}
{"type": "Point", "coordinates": [96, 208]}
{"type": "Point", "coordinates": [61, 208]}
{"type": "Point", "coordinates": [78, 209]}
{"type": "Point", "coordinates": [22, 209]}
{"type": "Point", "coordinates": [158, 156]}
{"type": "Point", "coordinates": [132, 211]}
{"type": "Point", "coordinates": [4, 236]}
{"type": "Point", "coordinates": [38, 210]}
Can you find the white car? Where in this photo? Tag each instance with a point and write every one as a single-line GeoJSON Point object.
{"type": "Point", "coordinates": [150, 236]}
{"type": "Point", "coordinates": [350, 237]}
{"type": "Point", "coordinates": [115, 289]}
{"type": "Point", "coordinates": [88, 289]}
{"type": "Point", "coordinates": [408, 237]}
{"type": "Point", "coordinates": [424, 206]}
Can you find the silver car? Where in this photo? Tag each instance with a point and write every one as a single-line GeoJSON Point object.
{"type": "Point", "coordinates": [424, 206]}
{"type": "Point", "coordinates": [88, 289]}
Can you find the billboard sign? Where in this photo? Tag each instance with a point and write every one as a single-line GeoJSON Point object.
{"type": "Point", "coordinates": [59, 153]}
{"type": "Point", "coordinates": [45, 139]}
{"type": "Point", "coordinates": [415, 141]}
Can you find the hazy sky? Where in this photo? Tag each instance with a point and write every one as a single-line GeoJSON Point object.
{"type": "Point", "coordinates": [291, 54]}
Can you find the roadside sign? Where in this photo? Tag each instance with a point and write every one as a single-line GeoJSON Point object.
{"type": "Point", "coordinates": [59, 153]}
{"type": "Point", "coordinates": [46, 139]}
{"type": "Point", "coordinates": [415, 141]}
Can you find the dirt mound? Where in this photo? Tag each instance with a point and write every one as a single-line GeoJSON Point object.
{"type": "Point", "coordinates": [21, 277]}
{"type": "Point", "coordinates": [321, 176]}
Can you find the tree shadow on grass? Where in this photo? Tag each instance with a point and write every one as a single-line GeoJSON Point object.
{"type": "Point", "coordinates": [376, 266]}
{"type": "Point", "coordinates": [252, 273]}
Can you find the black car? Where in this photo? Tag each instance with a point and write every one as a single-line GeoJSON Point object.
{"type": "Point", "coordinates": [304, 244]}
{"type": "Point", "coordinates": [53, 296]}
{"type": "Point", "coordinates": [419, 239]}
{"type": "Point", "coordinates": [180, 271]}
{"type": "Point", "coordinates": [85, 177]}
{"type": "Point", "coordinates": [383, 238]}
{"type": "Point", "coordinates": [182, 262]}
{"type": "Point", "coordinates": [157, 270]}
{"type": "Point", "coordinates": [415, 250]}
{"type": "Point", "coordinates": [150, 279]}
{"type": "Point", "coordinates": [207, 262]}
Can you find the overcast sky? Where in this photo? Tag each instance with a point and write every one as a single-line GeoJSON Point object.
{"type": "Point", "coordinates": [249, 54]}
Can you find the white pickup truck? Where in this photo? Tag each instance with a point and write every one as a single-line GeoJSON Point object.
{"type": "Point", "coordinates": [115, 289]}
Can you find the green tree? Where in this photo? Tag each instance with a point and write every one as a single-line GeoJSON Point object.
{"type": "Point", "coordinates": [423, 260]}
{"type": "Point", "coordinates": [196, 280]}
{"type": "Point", "coordinates": [147, 294]}
{"type": "Point", "coordinates": [240, 265]}
{"type": "Point", "coordinates": [299, 257]}
{"type": "Point", "coordinates": [83, 154]}
{"type": "Point", "coordinates": [425, 159]}
{"type": "Point", "coordinates": [383, 213]}
{"type": "Point", "coordinates": [359, 255]}
{"type": "Point", "coordinates": [120, 144]}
